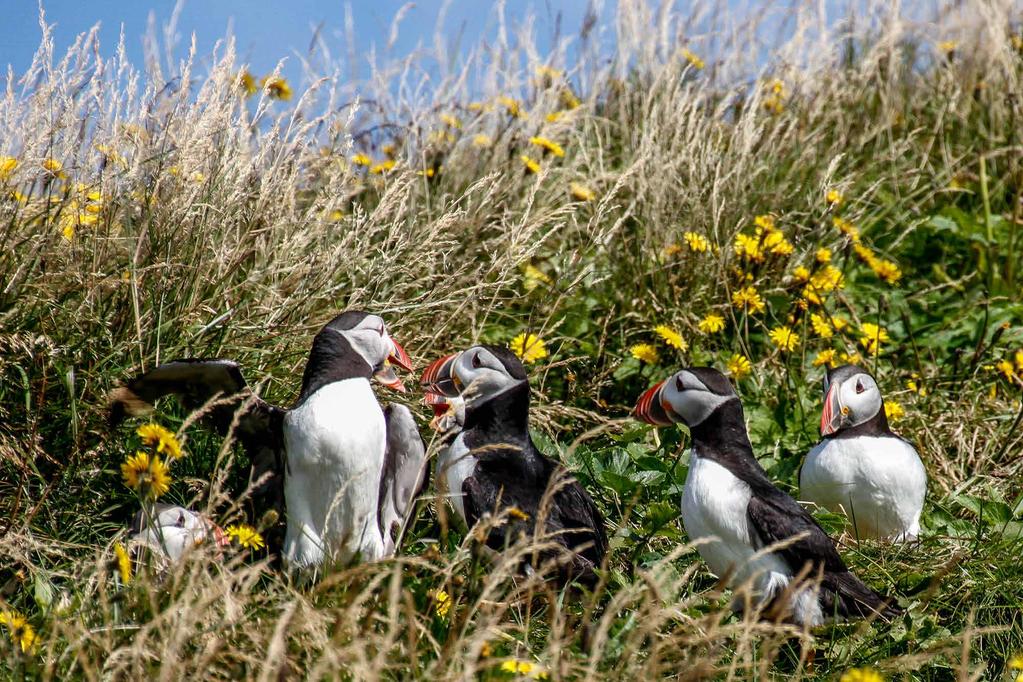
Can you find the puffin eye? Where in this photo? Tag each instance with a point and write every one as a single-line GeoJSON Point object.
{"type": "Point", "coordinates": [678, 384]}
{"type": "Point", "coordinates": [476, 362]}
{"type": "Point", "coordinates": [381, 330]}
{"type": "Point", "coordinates": [859, 387]}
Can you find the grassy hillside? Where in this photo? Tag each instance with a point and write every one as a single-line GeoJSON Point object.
{"type": "Point", "coordinates": [855, 194]}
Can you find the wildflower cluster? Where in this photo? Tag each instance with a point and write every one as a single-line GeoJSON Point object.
{"type": "Point", "coordinates": [648, 353]}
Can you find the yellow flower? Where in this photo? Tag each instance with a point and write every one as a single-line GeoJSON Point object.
{"type": "Point", "coordinates": [696, 242]}
{"type": "Point", "coordinates": [163, 439]}
{"type": "Point", "coordinates": [247, 536]}
{"type": "Point", "coordinates": [528, 347]}
{"type": "Point", "coordinates": [361, 159]}
{"type": "Point", "coordinates": [554, 116]}
{"type": "Point", "coordinates": [948, 46]}
{"type": "Point", "coordinates": [886, 270]}
{"type": "Point", "coordinates": [784, 338]}
{"type": "Point", "coordinates": [711, 324]}
{"type": "Point", "coordinates": [548, 145]}
{"type": "Point", "coordinates": [748, 298]}
{"type": "Point", "coordinates": [479, 106]}
{"type": "Point", "coordinates": [765, 222]}
{"type": "Point", "coordinates": [1018, 359]}
{"type": "Point", "coordinates": [834, 197]}
{"type": "Point", "coordinates": [1016, 662]}
{"type": "Point", "coordinates": [54, 166]}
{"type": "Point", "coordinates": [441, 603]}
{"type": "Point", "coordinates": [382, 167]}
{"type": "Point", "coordinates": [827, 279]}
{"type": "Point", "coordinates": [853, 358]}
{"type": "Point", "coordinates": [1006, 368]}
{"type": "Point", "coordinates": [581, 192]}
{"type": "Point", "coordinates": [548, 73]}
{"type": "Point", "coordinates": [450, 121]}
{"type": "Point", "coordinates": [532, 165]}
{"type": "Point", "coordinates": [821, 327]}
{"type": "Point", "coordinates": [671, 337]}
{"type": "Point", "coordinates": [123, 562]}
{"type": "Point", "coordinates": [7, 166]}
{"type": "Point", "coordinates": [645, 352]}
{"type": "Point", "coordinates": [778, 244]}
{"type": "Point", "coordinates": [481, 140]}
{"type": "Point", "coordinates": [147, 476]}
{"type": "Point", "coordinates": [915, 385]}
{"type": "Point", "coordinates": [872, 337]}
{"type": "Point", "coordinates": [517, 667]}
{"type": "Point", "coordinates": [846, 228]}
{"type": "Point", "coordinates": [893, 410]}
{"type": "Point", "coordinates": [749, 247]}
{"type": "Point", "coordinates": [277, 87]}
{"type": "Point", "coordinates": [517, 513]}
{"type": "Point", "coordinates": [532, 277]}
{"type": "Point", "coordinates": [823, 255]}
{"type": "Point", "coordinates": [690, 57]}
{"type": "Point", "coordinates": [861, 675]}
{"type": "Point", "coordinates": [739, 367]}
{"type": "Point", "coordinates": [21, 631]}
{"type": "Point", "coordinates": [569, 100]}
{"type": "Point", "coordinates": [801, 274]}
{"type": "Point", "coordinates": [825, 357]}
{"type": "Point", "coordinates": [512, 106]}
{"type": "Point", "coordinates": [247, 82]}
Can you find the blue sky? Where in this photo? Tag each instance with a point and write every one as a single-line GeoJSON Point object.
{"type": "Point", "coordinates": [267, 30]}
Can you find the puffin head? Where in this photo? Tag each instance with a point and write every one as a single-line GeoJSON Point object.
{"type": "Point", "coordinates": [851, 398]}
{"type": "Point", "coordinates": [474, 375]}
{"type": "Point", "coordinates": [688, 396]}
{"type": "Point", "coordinates": [367, 335]}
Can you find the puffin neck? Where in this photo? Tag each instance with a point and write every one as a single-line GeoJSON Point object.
{"type": "Point", "coordinates": [507, 412]}
{"type": "Point", "coordinates": [723, 431]}
{"type": "Point", "coordinates": [875, 426]}
{"type": "Point", "coordinates": [331, 359]}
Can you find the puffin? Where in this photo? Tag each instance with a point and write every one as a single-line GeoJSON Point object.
{"type": "Point", "coordinates": [860, 467]}
{"type": "Point", "coordinates": [340, 469]}
{"type": "Point", "coordinates": [733, 509]}
{"type": "Point", "coordinates": [491, 464]}
{"type": "Point", "coordinates": [173, 530]}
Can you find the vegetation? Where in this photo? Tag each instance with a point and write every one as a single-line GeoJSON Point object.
{"type": "Point", "coordinates": [637, 208]}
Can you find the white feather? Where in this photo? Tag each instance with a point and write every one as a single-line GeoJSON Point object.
{"type": "Point", "coordinates": [454, 465]}
{"type": "Point", "coordinates": [335, 444]}
{"type": "Point", "coordinates": [714, 508]}
{"type": "Point", "coordinates": [878, 481]}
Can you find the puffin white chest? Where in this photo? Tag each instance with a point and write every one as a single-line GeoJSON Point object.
{"type": "Point", "coordinates": [879, 481]}
{"type": "Point", "coordinates": [454, 465]}
{"type": "Point", "coordinates": [335, 443]}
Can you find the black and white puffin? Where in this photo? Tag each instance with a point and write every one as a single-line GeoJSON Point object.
{"type": "Point", "coordinates": [860, 466]}
{"type": "Point", "coordinates": [730, 504]}
{"type": "Point", "coordinates": [492, 464]}
{"type": "Point", "coordinates": [340, 469]}
{"type": "Point", "coordinates": [173, 530]}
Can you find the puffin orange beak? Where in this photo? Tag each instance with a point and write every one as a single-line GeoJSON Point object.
{"type": "Point", "coordinates": [650, 409]}
{"type": "Point", "coordinates": [438, 402]}
{"type": "Point", "coordinates": [437, 380]}
{"type": "Point", "coordinates": [400, 357]}
{"type": "Point", "coordinates": [832, 416]}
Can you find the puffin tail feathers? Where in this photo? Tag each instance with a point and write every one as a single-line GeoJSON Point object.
{"type": "Point", "coordinates": [858, 600]}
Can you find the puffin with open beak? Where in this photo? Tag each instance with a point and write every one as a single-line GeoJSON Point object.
{"type": "Point", "coordinates": [860, 467]}
{"type": "Point", "coordinates": [730, 504]}
{"type": "Point", "coordinates": [491, 465]}
{"type": "Point", "coordinates": [334, 465]}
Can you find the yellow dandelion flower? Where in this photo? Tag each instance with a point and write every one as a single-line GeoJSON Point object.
{"type": "Point", "coordinates": [164, 440]}
{"type": "Point", "coordinates": [828, 279]}
{"type": "Point", "coordinates": [517, 667]}
{"type": "Point", "coordinates": [123, 562]}
{"type": "Point", "coordinates": [7, 166]}
{"type": "Point", "coordinates": [336, 215]}
{"type": "Point", "coordinates": [821, 326]}
{"type": "Point", "coordinates": [765, 222]}
{"type": "Point", "coordinates": [893, 410]}
{"type": "Point", "coordinates": [581, 192]}
{"type": "Point", "coordinates": [569, 100]}
{"type": "Point", "coordinates": [825, 357]}
{"type": "Point", "coordinates": [1006, 368]}
{"type": "Point", "coordinates": [554, 116]}
{"type": "Point", "coordinates": [532, 277]}
{"type": "Point", "coordinates": [247, 83]}
{"type": "Point", "coordinates": [834, 197]}
{"type": "Point", "coordinates": [382, 167]}
{"type": "Point", "coordinates": [277, 87]}
{"type": "Point", "coordinates": [361, 159]}
{"type": "Point", "coordinates": [548, 145]}
{"type": "Point", "coordinates": [1018, 359]}
{"type": "Point", "coordinates": [784, 338]}
{"type": "Point", "coordinates": [801, 274]}
{"type": "Point", "coordinates": [778, 244]}
{"type": "Point", "coordinates": [886, 270]}
{"type": "Point", "coordinates": [872, 336]}
{"type": "Point", "coordinates": [441, 603]}
{"type": "Point", "coordinates": [861, 675]}
{"type": "Point", "coordinates": [748, 247]}
{"type": "Point", "coordinates": [864, 253]}
{"type": "Point", "coordinates": [691, 57]}
{"type": "Point", "coordinates": [711, 324]}
{"type": "Point", "coordinates": [529, 347]}
{"type": "Point", "coordinates": [739, 367]}
{"type": "Point", "coordinates": [948, 46]}
{"type": "Point", "coordinates": [246, 536]}
{"type": "Point", "coordinates": [21, 631]}
{"type": "Point", "coordinates": [512, 106]}
{"type": "Point", "coordinates": [450, 121]}
{"type": "Point", "coordinates": [696, 242]}
{"type": "Point", "coordinates": [517, 513]}
{"type": "Point", "coordinates": [846, 228]}
{"type": "Point", "coordinates": [54, 167]}
{"type": "Point", "coordinates": [671, 337]}
{"type": "Point", "coordinates": [146, 475]}
{"type": "Point", "coordinates": [481, 140]}
{"type": "Point", "coordinates": [1016, 662]}
{"type": "Point", "coordinates": [823, 255]}
{"type": "Point", "coordinates": [748, 298]}
{"type": "Point", "coordinates": [853, 358]}
{"type": "Point", "coordinates": [531, 164]}
{"type": "Point", "coordinates": [645, 352]}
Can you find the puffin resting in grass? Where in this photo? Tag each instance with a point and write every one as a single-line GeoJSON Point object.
{"type": "Point", "coordinates": [341, 470]}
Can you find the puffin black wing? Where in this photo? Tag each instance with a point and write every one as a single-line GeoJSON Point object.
{"type": "Point", "coordinates": [404, 474]}
{"type": "Point", "coordinates": [774, 517]}
{"type": "Point", "coordinates": [258, 425]}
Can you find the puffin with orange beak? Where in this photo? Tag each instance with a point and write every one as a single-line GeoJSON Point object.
{"type": "Point", "coordinates": [335, 466]}
{"type": "Point", "coordinates": [733, 509]}
{"type": "Point", "coordinates": [860, 467]}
